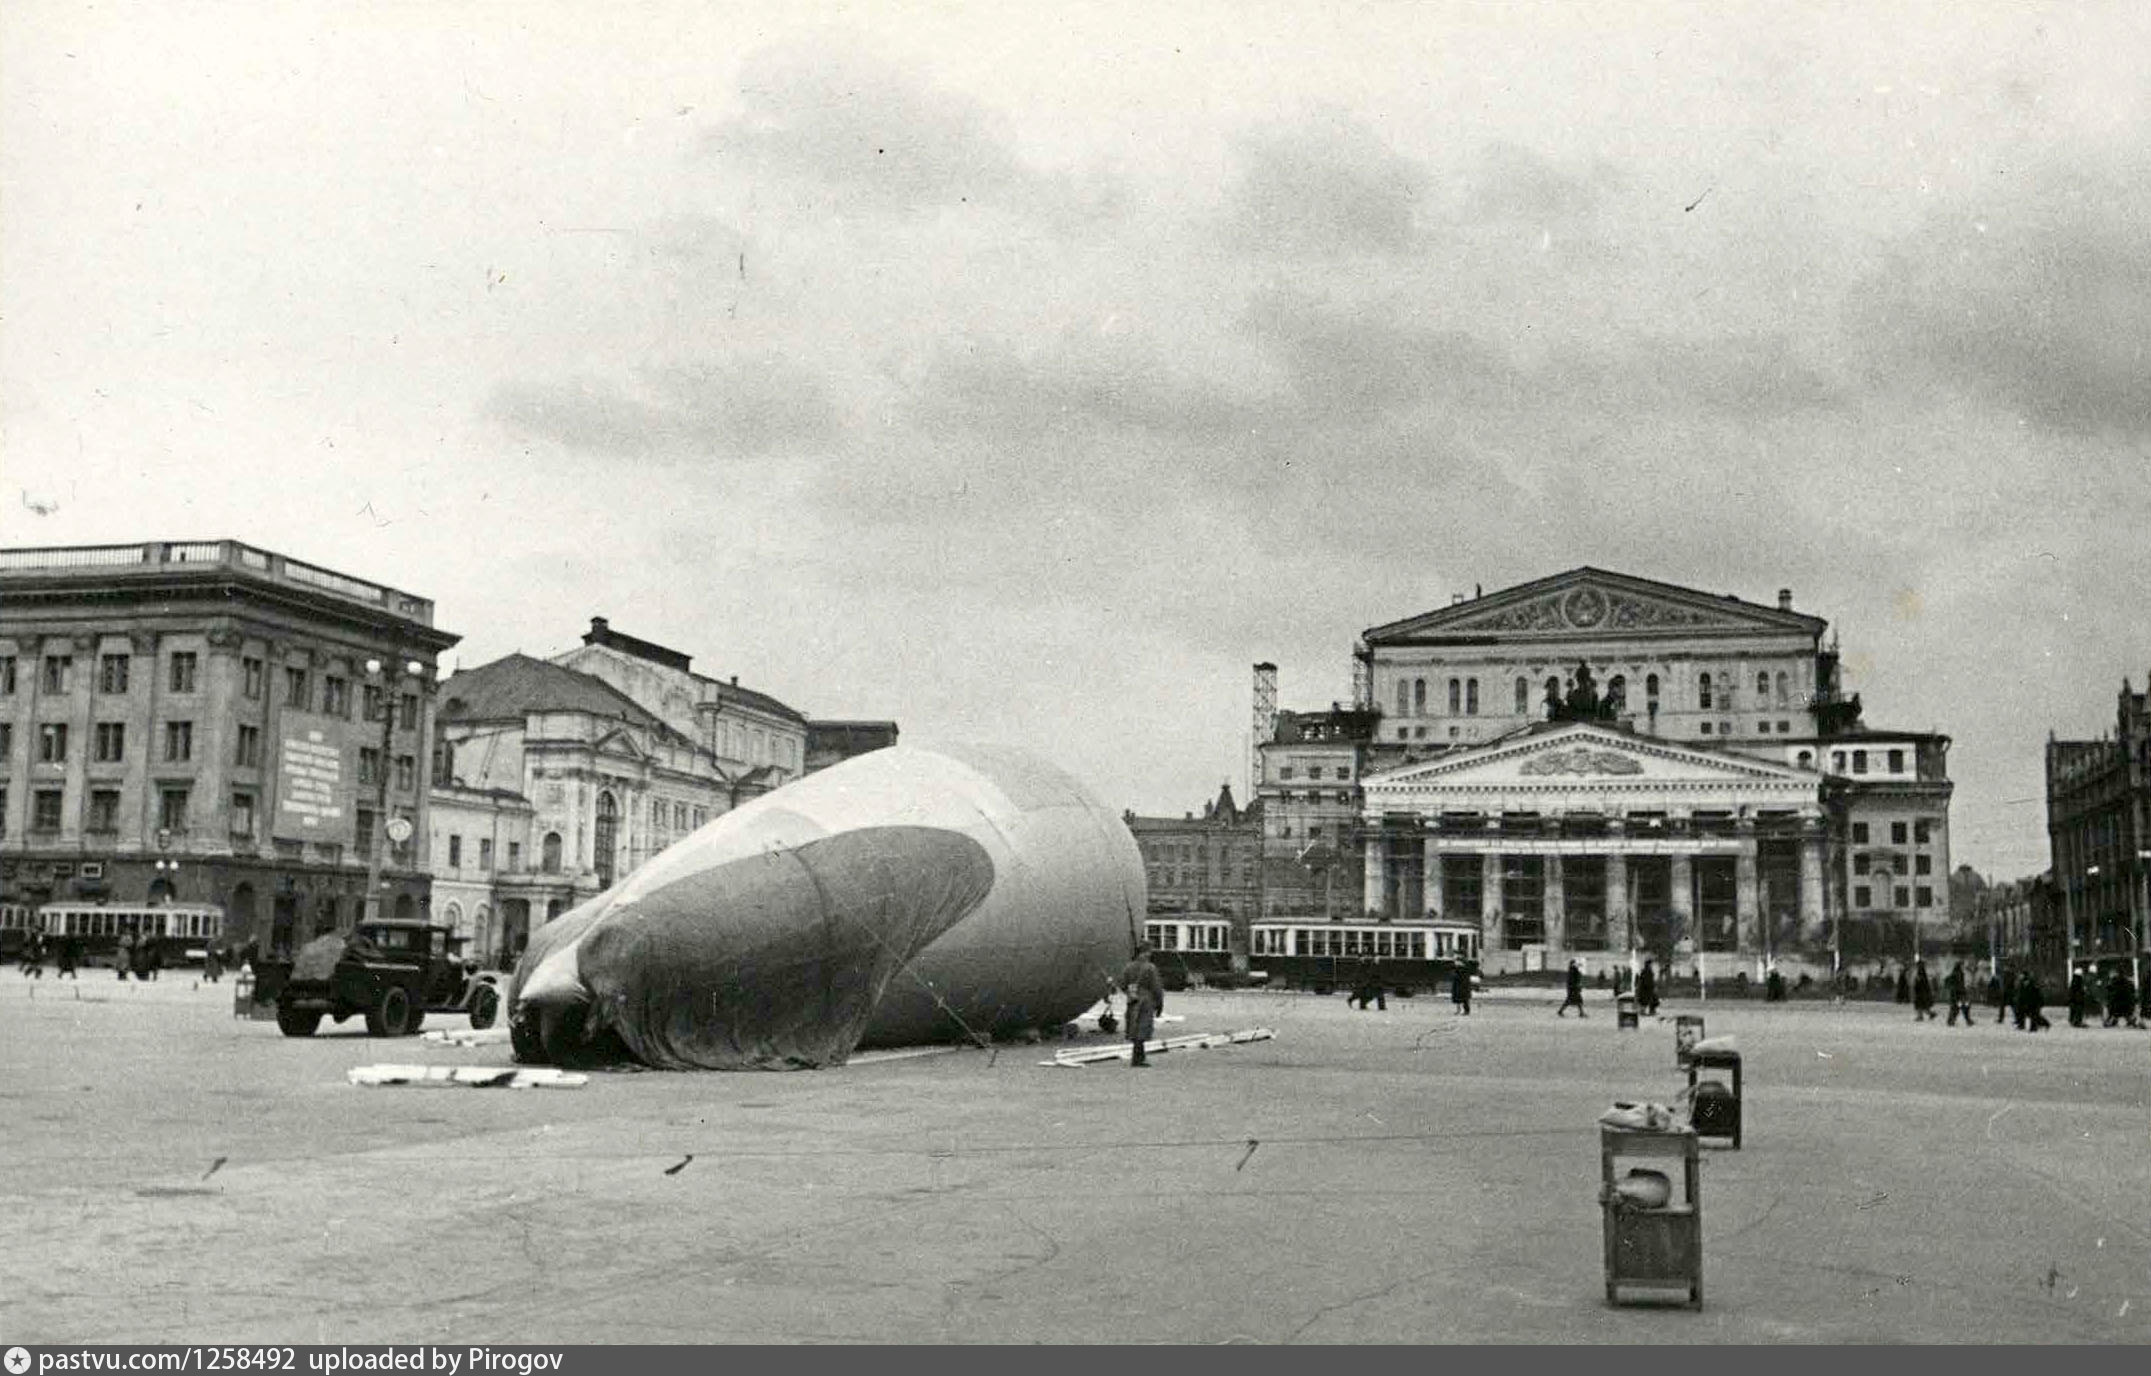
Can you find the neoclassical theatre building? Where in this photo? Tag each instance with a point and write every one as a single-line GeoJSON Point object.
{"type": "Point", "coordinates": [1595, 763]}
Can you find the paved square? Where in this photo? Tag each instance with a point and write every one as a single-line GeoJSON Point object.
{"type": "Point", "coordinates": [1416, 1177]}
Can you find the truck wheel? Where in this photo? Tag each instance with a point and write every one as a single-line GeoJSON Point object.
{"type": "Point", "coordinates": [390, 1015]}
{"type": "Point", "coordinates": [418, 1018]}
{"type": "Point", "coordinates": [485, 1006]}
{"type": "Point", "coordinates": [294, 1022]}
{"type": "Point", "coordinates": [523, 1036]}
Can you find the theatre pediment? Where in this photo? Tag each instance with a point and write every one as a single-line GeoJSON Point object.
{"type": "Point", "coordinates": [1582, 756]}
{"type": "Point", "coordinates": [1590, 603]}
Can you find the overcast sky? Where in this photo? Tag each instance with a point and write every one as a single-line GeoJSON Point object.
{"type": "Point", "coordinates": [1027, 372]}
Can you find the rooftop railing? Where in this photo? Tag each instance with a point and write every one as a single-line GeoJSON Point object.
{"type": "Point", "coordinates": [159, 554]}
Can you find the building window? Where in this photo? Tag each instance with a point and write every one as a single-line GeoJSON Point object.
{"type": "Point", "coordinates": [485, 853]}
{"type": "Point", "coordinates": [444, 764]}
{"type": "Point", "coordinates": [1471, 697]}
{"type": "Point", "coordinates": [1807, 759]}
{"type": "Point", "coordinates": [679, 816]}
{"type": "Point", "coordinates": [3, 807]}
{"type": "Point", "coordinates": [45, 810]}
{"type": "Point", "coordinates": [7, 747]}
{"type": "Point", "coordinates": [59, 671]}
{"type": "Point", "coordinates": [111, 742]}
{"type": "Point", "coordinates": [406, 773]}
{"type": "Point", "coordinates": [1523, 696]}
{"type": "Point", "coordinates": [1861, 862]}
{"type": "Point", "coordinates": [1859, 762]}
{"type": "Point", "coordinates": [1784, 727]}
{"type": "Point", "coordinates": [1703, 694]}
{"type": "Point", "coordinates": [1859, 833]}
{"type": "Point", "coordinates": [1762, 728]}
{"type": "Point", "coordinates": [515, 855]}
{"type": "Point", "coordinates": [408, 711]}
{"type": "Point", "coordinates": [172, 810]}
{"type": "Point", "coordinates": [1706, 728]}
{"type": "Point", "coordinates": [52, 743]}
{"type": "Point", "coordinates": [1904, 897]}
{"type": "Point", "coordinates": [1784, 693]}
{"type": "Point", "coordinates": [1862, 897]}
{"type": "Point", "coordinates": [1897, 864]}
{"type": "Point", "coordinates": [1553, 693]}
{"type": "Point", "coordinates": [1284, 771]}
{"type": "Point", "coordinates": [1456, 697]}
{"type": "Point", "coordinates": [335, 697]}
{"type": "Point", "coordinates": [250, 674]}
{"type": "Point", "coordinates": [1650, 692]}
{"type": "Point", "coordinates": [178, 742]}
{"type": "Point", "coordinates": [1922, 831]}
{"type": "Point", "coordinates": [1923, 896]}
{"type": "Point", "coordinates": [112, 674]}
{"type": "Point", "coordinates": [7, 676]}
{"type": "Point", "coordinates": [1837, 761]}
{"type": "Point", "coordinates": [1897, 833]}
{"type": "Point", "coordinates": [182, 676]}
{"type": "Point", "coordinates": [249, 751]}
{"type": "Point", "coordinates": [1617, 692]}
{"type": "Point", "coordinates": [1419, 697]}
{"type": "Point", "coordinates": [1404, 697]}
{"type": "Point", "coordinates": [1762, 689]}
{"type": "Point", "coordinates": [104, 810]}
{"type": "Point", "coordinates": [243, 815]}
{"type": "Point", "coordinates": [552, 852]}
{"type": "Point", "coordinates": [369, 765]}
{"type": "Point", "coordinates": [455, 851]}
{"type": "Point", "coordinates": [296, 689]}
{"type": "Point", "coordinates": [1923, 864]}
{"type": "Point", "coordinates": [1897, 762]}
{"type": "Point", "coordinates": [371, 696]}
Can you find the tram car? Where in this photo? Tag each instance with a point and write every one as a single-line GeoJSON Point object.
{"type": "Point", "coordinates": [17, 921]}
{"type": "Point", "coordinates": [182, 932]}
{"type": "Point", "coordinates": [1325, 956]}
{"type": "Point", "coordinates": [1189, 949]}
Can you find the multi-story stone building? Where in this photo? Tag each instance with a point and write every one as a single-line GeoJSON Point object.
{"type": "Point", "coordinates": [2098, 821]}
{"type": "Point", "coordinates": [1593, 762]}
{"type": "Point", "coordinates": [212, 722]}
{"type": "Point", "coordinates": [1206, 864]}
{"type": "Point", "coordinates": [831, 742]}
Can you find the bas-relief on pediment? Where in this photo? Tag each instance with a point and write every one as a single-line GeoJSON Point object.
{"type": "Point", "coordinates": [1592, 609]}
{"type": "Point", "coordinates": [1581, 761]}
{"type": "Point", "coordinates": [1593, 761]}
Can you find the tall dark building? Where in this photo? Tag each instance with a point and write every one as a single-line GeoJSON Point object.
{"type": "Point", "coordinates": [2098, 824]}
{"type": "Point", "coordinates": [211, 722]}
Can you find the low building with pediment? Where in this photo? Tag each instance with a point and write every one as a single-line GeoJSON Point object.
{"type": "Point", "coordinates": [1592, 761]}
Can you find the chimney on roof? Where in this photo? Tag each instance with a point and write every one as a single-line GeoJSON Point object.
{"type": "Point", "coordinates": [1784, 599]}
{"type": "Point", "coordinates": [735, 680]}
{"type": "Point", "coordinates": [1456, 599]}
{"type": "Point", "coordinates": [599, 625]}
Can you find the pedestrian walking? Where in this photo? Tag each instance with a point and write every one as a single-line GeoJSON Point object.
{"type": "Point", "coordinates": [145, 958]}
{"type": "Point", "coordinates": [2031, 1004]}
{"type": "Point", "coordinates": [2121, 999]}
{"type": "Point", "coordinates": [1575, 993]}
{"type": "Point", "coordinates": [2010, 1007]}
{"type": "Point", "coordinates": [33, 956]}
{"type": "Point", "coordinates": [1960, 994]}
{"type": "Point", "coordinates": [70, 955]}
{"type": "Point", "coordinates": [1647, 990]}
{"type": "Point", "coordinates": [1996, 999]}
{"type": "Point", "coordinates": [1145, 993]}
{"type": "Point", "coordinates": [1460, 988]}
{"type": "Point", "coordinates": [1922, 993]}
{"type": "Point", "coordinates": [1904, 985]}
{"type": "Point", "coordinates": [212, 964]}
{"type": "Point", "coordinates": [2077, 998]}
{"type": "Point", "coordinates": [1774, 986]}
{"type": "Point", "coordinates": [126, 954]}
{"type": "Point", "coordinates": [1370, 989]}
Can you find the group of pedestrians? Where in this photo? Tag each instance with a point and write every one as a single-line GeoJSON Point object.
{"type": "Point", "coordinates": [33, 957]}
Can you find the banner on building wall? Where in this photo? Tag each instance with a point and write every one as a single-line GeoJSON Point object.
{"type": "Point", "coordinates": [311, 800]}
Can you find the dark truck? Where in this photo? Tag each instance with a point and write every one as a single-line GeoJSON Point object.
{"type": "Point", "coordinates": [394, 973]}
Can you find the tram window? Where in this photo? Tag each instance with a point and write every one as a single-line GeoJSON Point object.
{"type": "Point", "coordinates": [1419, 946]}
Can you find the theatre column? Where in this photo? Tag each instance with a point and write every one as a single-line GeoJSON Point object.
{"type": "Point", "coordinates": [1377, 865]}
{"type": "Point", "coordinates": [1681, 899]}
{"type": "Point", "coordinates": [1748, 927]}
{"type": "Point", "coordinates": [1554, 914]}
{"type": "Point", "coordinates": [1814, 933]}
{"type": "Point", "coordinates": [1620, 917]}
{"type": "Point", "coordinates": [1490, 901]}
{"type": "Point", "coordinates": [1431, 897]}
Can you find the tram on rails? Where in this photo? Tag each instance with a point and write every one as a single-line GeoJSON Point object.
{"type": "Point", "coordinates": [1322, 956]}
{"type": "Point", "coordinates": [181, 932]}
{"type": "Point", "coordinates": [1189, 949]}
{"type": "Point", "coordinates": [17, 921]}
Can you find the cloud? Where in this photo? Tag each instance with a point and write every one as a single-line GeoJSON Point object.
{"type": "Point", "coordinates": [736, 406]}
{"type": "Point", "coordinates": [1755, 375]}
{"type": "Point", "coordinates": [1514, 183]}
{"type": "Point", "coordinates": [1334, 189]}
{"type": "Point", "coordinates": [1357, 362]}
{"type": "Point", "coordinates": [2037, 299]}
{"type": "Point", "coordinates": [868, 135]}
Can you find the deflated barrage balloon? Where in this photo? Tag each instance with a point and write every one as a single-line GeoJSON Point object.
{"type": "Point", "coordinates": [899, 897]}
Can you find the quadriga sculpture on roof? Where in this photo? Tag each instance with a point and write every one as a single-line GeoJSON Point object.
{"type": "Point", "coordinates": [900, 897]}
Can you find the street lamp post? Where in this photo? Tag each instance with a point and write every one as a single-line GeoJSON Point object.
{"type": "Point", "coordinates": [167, 867]}
{"type": "Point", "coordinates": [377, 843]}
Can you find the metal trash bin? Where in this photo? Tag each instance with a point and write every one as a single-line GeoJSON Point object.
{"type": "Point", "coordinates": [243, 993]}
{"type": "Point", "coordinates": [1624, 1012]}
{"type": "Point", "coordinates": [1659, 1246]}
{"type": "Point", "coordinates": [1687, 1031]}
{"type": "Point", "coordinates": [1714, 1104]}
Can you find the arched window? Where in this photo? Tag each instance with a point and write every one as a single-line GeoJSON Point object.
{"type": "Point", "coordinates": [1762, 689]}
{"type": "Point", "coordinates": [1807, 759]}
{"type": "Point", "coordinates": [1617, 692]}
{"type": "Point", "coordinates": [552, 852]}
{"type": "Point", "coordinates": [1784, 686]}
{"type": "Point", "coordinates": [1703, 692]}
{"type": "Point", "coordinates": [1419, 697]}
{"type": "Point", "coordinates": [1523, 696]}
{"type": "Point", "coordinates": [606, 840]}
{"type": "Point", "coordinates": [1404, 697]}
{"type": "Point", "coordinates": [1553, 695]}
{"type": "Point", "coordinates": [1456, 697]}
{"type": "Point", "coordinates": [1650, 692]}
{"type": "Point", "coordinates": [1471, 697]}
{"type": "Point", "coordinates": [453, 914]}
